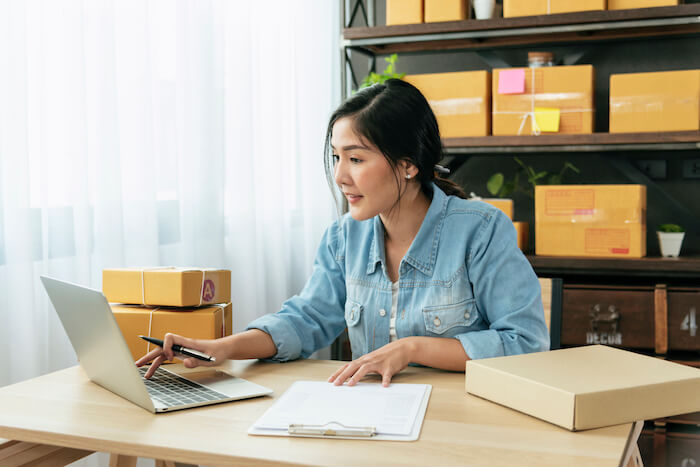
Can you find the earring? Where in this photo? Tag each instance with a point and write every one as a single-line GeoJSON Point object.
{"type": "Point", "coordinates": [408, 176]}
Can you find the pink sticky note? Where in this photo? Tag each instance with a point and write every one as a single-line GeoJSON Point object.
{"type": "Point", "coordinates": [511, 81]}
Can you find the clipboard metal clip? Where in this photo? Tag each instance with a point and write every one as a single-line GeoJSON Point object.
{"type": "Point", "coordinates": [331, 429]}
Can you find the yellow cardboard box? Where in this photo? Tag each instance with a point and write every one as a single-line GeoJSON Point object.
{"type": "Point", "coordinates": [591, 220]}
{"type": "Point", "coordinates": [522, 230]}
{"type": "Point", "coordinates": [404, 12]}
{"type": "Point", "coordinates": [658, 101]}
{"type": "Point", "coordinates": [586, 387]}
{"type": "Point", "coordinates": [504, 204]}
{"type": "Point", "coordinates": [512, 8]}
{"type": "Point", "coordinates": [567, 88]}
{"type": "Point", "coordinates": [629, 4]}
{"type": "Point", "coordinates": [460, 100]}
{"type": "Point", "coordinates": [167, 286]}
{"type": "Point", "coordinates": [198, 323]}
{"type": "Point", "coordinates": [445, 10]}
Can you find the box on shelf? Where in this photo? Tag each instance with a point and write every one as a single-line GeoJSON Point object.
{"type": "Point", "coordinates": [404, 12]}
{"type": "Point", "coordinates": [198, 323]}
{"type": "Point", "coordinates": [657, 101]}
{"type": "Point", "coordinates": [586, 387]}
{"type": "Point", "coordinates": [512, 8]}
{"type": "Point", "coordinates": [460, 100]}
{"type": "Point", "coordinates": [167, 286]}
{"type": "Point", "coordinates": [629, 4]}
{"type": "Point", "coordinates": [445, 10]}
{"type": "Point", "coordinates": [522, 230]}
{"type": "Point", "coordinates": [591, 220]}
{"type": "Point", "coordinates": [522, 94]}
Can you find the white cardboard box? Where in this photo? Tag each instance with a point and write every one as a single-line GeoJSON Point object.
{"type": "Point", "coordinates": [586, 387]}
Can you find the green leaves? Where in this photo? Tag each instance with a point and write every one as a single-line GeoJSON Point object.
{"type": "Point", "coordinates": [671, 228]}
{"type": "Point", "coordinates": [499, 187]}
{"type": "Point", "coordinates": [388, 73]}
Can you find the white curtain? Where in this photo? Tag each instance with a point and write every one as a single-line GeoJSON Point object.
{"type": "Point", "coordinates": [160, 132]}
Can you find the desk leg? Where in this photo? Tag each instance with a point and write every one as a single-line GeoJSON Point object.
{"type": "Point", "coordinates": [632, 457]}
{"type": "Point", "coordinates": [120, 460]}
{"type": "Point", "coordinates": [39, 455]}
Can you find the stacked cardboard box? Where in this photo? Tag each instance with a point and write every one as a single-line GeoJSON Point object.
{"type": "Point", "coordinates": [461, 101]}
{"type": "Point", "coordinates": [591, 220]}
{"type": "Point", "coordinates": [657, 101]}
{"type": "Point", "coordinates": [512, 8]}
{"type": "Point", "coordinates": [540, 100]}
{"type": "Point", "coordinates": [627, 4]}
{"type": "Point", "coordinates": [154, 301]}
{"type": "Point", "coordinates": [445, 10]}
{"type": "Point", "coordinates": [404, 12]}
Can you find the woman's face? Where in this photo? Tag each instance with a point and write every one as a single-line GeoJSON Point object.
{"type": "Point", "coordinates": [363, 173]}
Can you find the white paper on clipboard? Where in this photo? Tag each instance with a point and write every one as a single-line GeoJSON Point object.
{"type": "Point", "coordinates": [393, 413]}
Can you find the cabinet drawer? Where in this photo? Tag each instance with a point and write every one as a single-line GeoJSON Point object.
{"type": "Point", "coordinates": [683, 319]}
{"type": "Point", "coordinates": [683, 449]}
{"type": "Point", "coordinates": [617, 316]}
{"type": "Point", "coordinates": [689, 419]}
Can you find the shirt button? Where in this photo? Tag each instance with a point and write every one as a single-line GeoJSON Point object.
{"type": "Point", "coordinates": [352, 315]}
{"type": "Point", "coordinates": [466, 315]}
{"type": "Point", "coordinates": [436, 321]}
{"type": "Point", "coordinates": [382, 312]}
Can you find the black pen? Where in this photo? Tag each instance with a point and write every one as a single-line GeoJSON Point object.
{"type": "Point", "coordinates": [180, 349]}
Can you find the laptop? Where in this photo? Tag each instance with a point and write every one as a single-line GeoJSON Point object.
{"type": "Point", "coordinates": [107, 361]}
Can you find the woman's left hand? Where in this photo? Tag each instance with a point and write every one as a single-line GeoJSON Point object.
{"type": "Point", "coordinates": [386, 361]}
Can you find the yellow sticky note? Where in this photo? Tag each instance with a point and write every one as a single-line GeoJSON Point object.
{"type": "Point", "coordinates": [547, 119]}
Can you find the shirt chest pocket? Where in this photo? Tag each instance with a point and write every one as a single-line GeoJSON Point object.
{"type": "Point", "coordinates": [450, 320]}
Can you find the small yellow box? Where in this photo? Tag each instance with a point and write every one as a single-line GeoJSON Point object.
{"type": "Point", "coordinates": [445, 10]}
{"type": "Point", "coordinates": [591, 220]}
{"type": "Point", "coordinates": [197, 323]}
{"type": "Point", "coordinates": [504, 204]}
{"type": "Point", "coordinates": [460, 100]}
{"type": "Point", "coordinates": [567, 88]}
{"type": "Point", "coordinates": [522, 230]}
{"type": "Point", "coordinates": [657, 101]}
{"type": "Point", "coordinates": [404, 12]}
{"type": "Point", "coordinates": [167, 286]}
{"type": "Point", "coordinates": [630, 4]}
{"type": "Point", "coordinates": [512, 8]}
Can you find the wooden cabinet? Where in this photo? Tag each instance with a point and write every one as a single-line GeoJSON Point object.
{"type": "Point", "coordinates": [683, 319]}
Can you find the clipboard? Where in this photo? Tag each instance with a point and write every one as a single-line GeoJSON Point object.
{"type": "Point", "coordinates": [368, 411]}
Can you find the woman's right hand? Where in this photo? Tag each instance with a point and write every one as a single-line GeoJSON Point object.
{"type": "Point", "coordinates": [157, 356]}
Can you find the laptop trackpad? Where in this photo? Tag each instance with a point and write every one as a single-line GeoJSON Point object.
{"type": "Point", "coordinates": [217, 380]}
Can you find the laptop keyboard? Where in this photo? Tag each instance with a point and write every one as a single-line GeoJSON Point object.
{"type": "Point", "coordinates": [172, 390]}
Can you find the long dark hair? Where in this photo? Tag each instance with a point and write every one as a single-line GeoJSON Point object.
{"type": "Point", "coordinates": [398, 120]}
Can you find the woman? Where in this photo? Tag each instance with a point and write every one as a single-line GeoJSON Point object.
{"type": "Point", "coordinates": [416, 273]}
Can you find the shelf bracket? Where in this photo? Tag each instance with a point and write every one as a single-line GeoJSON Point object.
{"type": "Point", "coordinates": [492, 59]}
{"type": "Point", "coordinates": [351, 9]}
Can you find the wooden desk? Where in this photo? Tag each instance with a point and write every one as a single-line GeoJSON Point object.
{"type": "Point", "coordinates": [65, 409]}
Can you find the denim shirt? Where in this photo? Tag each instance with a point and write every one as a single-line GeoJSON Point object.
{"type": "Point", "coordinates": [463, 277]}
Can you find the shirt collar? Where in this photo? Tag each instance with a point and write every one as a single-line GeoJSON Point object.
{"type": "Point", "coordinates": [423, 251]}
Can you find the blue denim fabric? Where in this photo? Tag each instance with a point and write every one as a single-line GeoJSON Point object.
{"type": "Point", "coordinates": [463, 277]}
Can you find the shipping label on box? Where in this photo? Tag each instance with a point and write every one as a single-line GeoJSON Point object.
{"type": "Point", "coordinates": [461, 101]}
{"type": "Point", "coordinates": [445, 10]}
{"type": "Point", "coordinates": [629, 4]}
{"type": "Point", "coordinates": [513, 8]}
{"type": "Point", "coordinates": [564, 93]}
{"type": "Point", "coordinates": [197, 323]}
{"type": "Point", "coordinates": [404, 12]}
{"type": "Point", "coordinates": [167, 286]}
{"type": "Point", "coordinates": [657, 101]}
{"type": "Point", "coordinates": [586, 387]}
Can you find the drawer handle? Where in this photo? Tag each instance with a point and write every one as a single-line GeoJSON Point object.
{"type": "Point", "coordinates": [611, 315]}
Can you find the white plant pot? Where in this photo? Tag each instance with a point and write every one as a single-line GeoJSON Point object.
{"type": "Point", "coordinates": [483, 9]}
{"type": "Point", "coordinates": [670, 243]}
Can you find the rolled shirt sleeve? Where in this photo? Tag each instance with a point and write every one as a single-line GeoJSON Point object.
{"type": "Point", "coordinates": [314, 318]}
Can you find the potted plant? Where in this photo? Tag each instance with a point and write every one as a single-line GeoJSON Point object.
{"type": "Point", "coordinates": [670, 239]}
{"type": "Point", "coordinates": [388, 73]}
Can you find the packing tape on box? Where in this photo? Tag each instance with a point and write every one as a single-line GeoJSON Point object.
{"type": "Point", "coordinates": [531, 113]}
{"type": "Point", "coordinates": [457, 106]}
{"type": "Point", "coordinates": [221, 307]}
{"type": "Point", "coordinates": [143, 283]}
{"type": "Point", "coordinates": [646, 103]}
